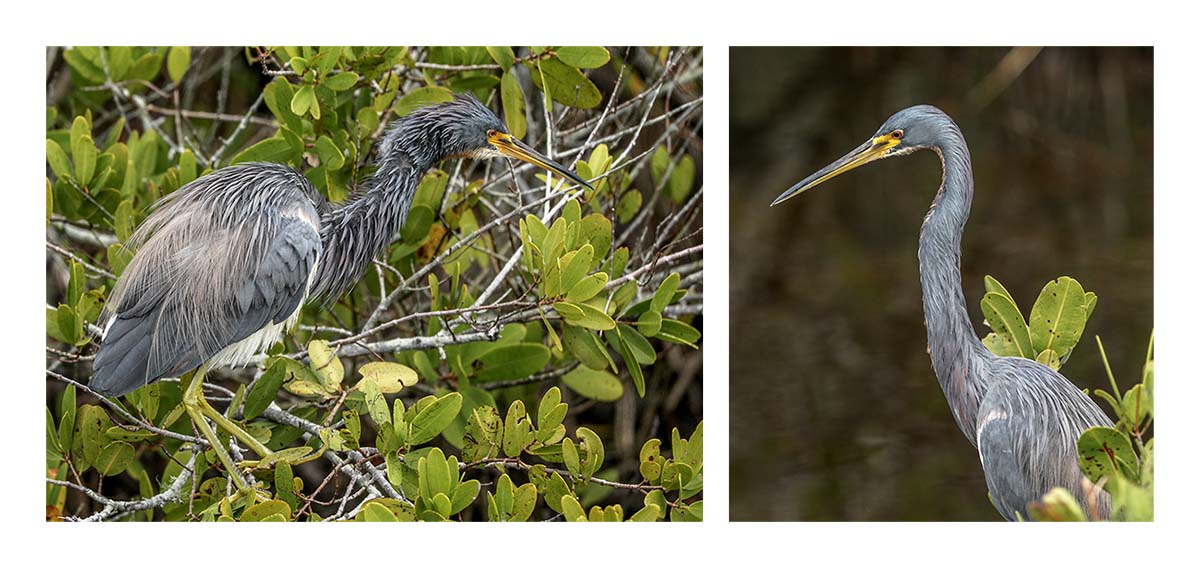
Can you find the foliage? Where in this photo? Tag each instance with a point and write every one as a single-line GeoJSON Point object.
{"type": "Point", "coordinates": [484, 355]}
{"type": "Point", "coordinates": [1120, 460]}
{"type": "Point", "coordinates": [1115, 459]}
{"type": "Point", "coordinates": [1055, 325]}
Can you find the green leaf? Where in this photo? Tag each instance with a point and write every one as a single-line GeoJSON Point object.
{"type": "Point", "coordinates": [123, 220]}
{"type": "Point", "coordinates": [285, 488]}
{"type": "Point", "coordinates": [147, 66]}
{"type": "Point", "coordinates": [570, 456]}
{"type": "Point", "coordinates": [341, 81]}
{"type": "Point", "coordinates": [114, 458]}
{"type": "Point", "coordinates": [1057, 505]}
{"type": "Point", "coordinates": [261, 511]}
{"type": "Point", "coordinates": [375, 513]}
{"type": "Point", "coordinates": [640, 347]}
{"type": "Point", "coordinates": [118, 257]}
{"type": "Point", "coordinates": [648, 514]}
{"type": "Point", "coordinates": [178, 59]}
{"type": "Point", "coordinates": [517, 430]}
{"type": "Point", "coordinates": [120, 61]}
{"type": "Point", "coordinates": [679, 185]}
{"type": "Point", "coordinates": [992, 285]}
{"type": "Point", "coordinates": [416, 227]}
{"type": "Point", "coordinates": [1050, 359]}
{"type": "Point", "coordinates": [84, 153]}
{"type": "Point", "coordinates": [617, 339]}
{"type": "Point", "coordinates": [304, 387]}
{"type": "Point", "coordinates": [1001, 344]}
{"type": "Point", "coordinates": [565, 84]}
{"type": "Point", "coordinates": [658, 500]}
{"type": "Point", "coordinates": [76, 284]}
{"type": "Point", "coordinates": [70, 325]}
{"type": "Point", "coordinates": [688, 512]}
{"type": "Point", "coordinates": [434, 418]}
{"type": "Point", "coordinates": [278, 95]}
{"type": "Point", "coordinates": [304, 99]}
{"type": "Point", "coordinates": [483, 433]}
{"type": "Point", "coordinates": [502, 55]}
{"type": "Point", "coordinates": [594, 451]}
{"type": "Point", "coordinates": [86, 62]}
{"type": "Point", "coordinates": [1106, 452]}
{"type": "Point", "coordinates": [586, 347]}
{"type": "Point", "coordinates": [463, 495]}
{"type": "Point", "coordinates": [659, 162]}
{"type": "Point", "coordinates": [263, 391]}
{"type": "Point", "coordinates": [512, 362]}
{"type": "Point", "coordinates": [596, 230]}
{"type": "Point", "coordinates": [664, 293]}
{"type": "Point", "coordinates": [512, 99]}
{"type": "Point", "coordinates": [571, 509]}
{"type": "Point", "coordinates": [325, 364]}
{"type": "Point", "coordinates": [1058, 316]}
{"type": "Point", "coordinates": [275, 149]}
{"type": "Point", "coordinates": [90, 437]}
{"type": "Point", "coordinates": [588, 287]}
{"type": "Point", "coordinates": [388, 377]}
{"type": "Point", "coordinates": [57, 158]}
{"type": "Point", "coordinates": [523, 500]}
{"type": "Point", "coordinates": [650, 323]}
{"type": "Point", "coordinates": [583, 57]}
{"type": "Point", "coordinates": [575, 265]}
{"type": "Point", "coordinates": [627, 207]}
{"type": "Point", "coordinates": [1137, 405]}
{"type": "Point", "coordinates": [421, 97]}
{"type": "Point", "coordinates": [676, 331]}
{"type": "Point", "coordinates": [331, 156]}
{"type": "Point", "coordinates": [1003, 316]}
{"type": "Point", "coordinates": [584, 315]}
{"type": "Point", "coordinates": [593, 384]}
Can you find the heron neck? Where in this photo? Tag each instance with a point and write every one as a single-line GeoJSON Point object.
{"type": "Point", "coordinates": [953, 346]}
{"type": "Point", "coordinates": [362, 228]}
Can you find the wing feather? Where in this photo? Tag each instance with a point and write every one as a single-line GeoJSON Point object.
{"type": "Point", "coordinates": [220, 259]}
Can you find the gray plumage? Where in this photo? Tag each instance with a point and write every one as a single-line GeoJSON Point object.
{"type": "Point", "coordinates": [224, 264]}
{"type": "Point", "coordinates": [217, 260]}
{"type": "Point", "coordinates": [1023, 417]}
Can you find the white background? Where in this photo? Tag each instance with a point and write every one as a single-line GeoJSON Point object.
{"type": "Point", "coordinates": [28, 27]}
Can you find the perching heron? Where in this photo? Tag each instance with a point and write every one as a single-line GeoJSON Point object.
{"type": "Point", "coordinates": [225, 263]}
{"type": "Point", "coordinates": [1023, 417]}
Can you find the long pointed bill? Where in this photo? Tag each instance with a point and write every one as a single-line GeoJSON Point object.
{"type": "Point", "coordinates": [869, 151]}
{"type": "Point", "coordinates": [514, 148]}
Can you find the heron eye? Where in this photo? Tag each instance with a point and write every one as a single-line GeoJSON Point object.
{"type": "Point", "coordinates": [897, 134]}
{"type": "Point", "coordinates": [491, 133]}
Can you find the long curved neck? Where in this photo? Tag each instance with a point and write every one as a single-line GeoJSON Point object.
{"type": "Point", "coordinates": [953, 346]}
{"type": "Point", "coordinates": [360, 230]}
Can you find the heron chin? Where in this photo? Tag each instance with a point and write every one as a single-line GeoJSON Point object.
{"type": "Point", "coordinates": [1023, 417]}
{"type": "Point", "coordinates": [224, 264]}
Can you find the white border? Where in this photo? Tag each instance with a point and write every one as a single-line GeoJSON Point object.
{"type": "Point", "coordinates": [716, 26]}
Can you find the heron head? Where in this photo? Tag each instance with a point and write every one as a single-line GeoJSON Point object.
{"type": "Point", "coordinates": [476, 132]}
{"type": "Point", "coordinates": [906, 131]}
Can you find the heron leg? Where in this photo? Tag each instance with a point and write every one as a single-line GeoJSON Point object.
{"type": "Point", "coordinates": [194, 403]}
{"type": "Point", "coordinates": [230, 426]}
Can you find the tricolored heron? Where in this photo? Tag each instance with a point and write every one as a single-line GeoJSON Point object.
{"type": "Point", "coordinates": [224, 264]}
{"type": "Point", "coordinates": [1022, 416]}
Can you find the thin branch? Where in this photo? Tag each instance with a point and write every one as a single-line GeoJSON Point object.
{"type": "Point", "coordinates": [113, 508]}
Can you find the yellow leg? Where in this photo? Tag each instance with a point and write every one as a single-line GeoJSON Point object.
{"type": "Point", "coordinates": [193, 403]}
{"type": "Point", "coordinates": [199, 410]}
{"type": "Point", "coordinates": [229, 426]}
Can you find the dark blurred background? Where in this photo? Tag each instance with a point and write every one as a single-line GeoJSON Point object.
{"type": "Point", "coordinates": [835, 411]}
